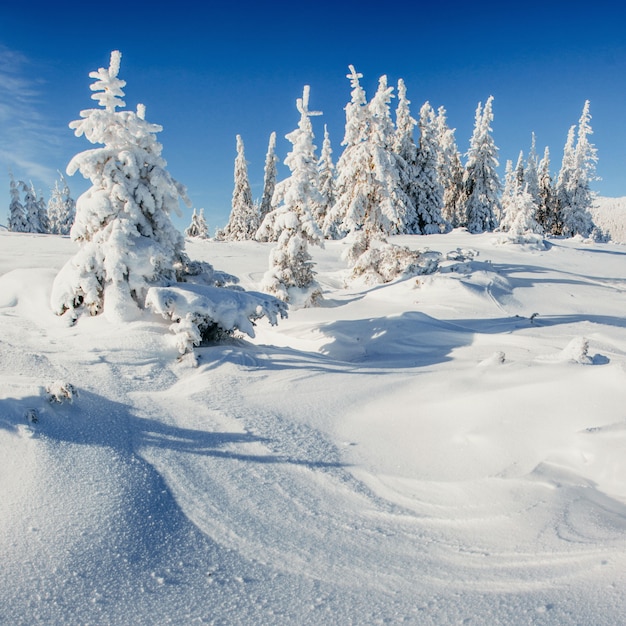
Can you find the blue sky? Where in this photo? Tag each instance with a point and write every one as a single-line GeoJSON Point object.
{"type": "Point", "coordinates": [209, 71]}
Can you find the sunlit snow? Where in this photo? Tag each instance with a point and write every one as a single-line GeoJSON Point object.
{"type": "Point", "coordinates": [442, 449]}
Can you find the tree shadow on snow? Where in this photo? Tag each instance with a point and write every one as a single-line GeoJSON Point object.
{"type": "Point", "coordinates": [546, 275]}
{"type": "Point", "coordinates": [97, 421]}
{"type": "Point", "coordinates": [383, 344]}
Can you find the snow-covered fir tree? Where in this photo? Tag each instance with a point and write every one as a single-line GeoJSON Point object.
{"type": "Point", "coordinates": [198, 227]}
{"type": "Point", "coordinates": [127, 240]}
{"type": "Point", "coordinates": [244, 216]}
{"type": "Point", "coordinates": [370, 196]}
{"type": "Point", "coordinates": [480, 180]}
{"type": "Point", "coordinates": [131, 256]}
{"type": "Point", "coordinates": [17, 215]}
{"type": "Point", "coordinates": [43, 215]}
{"type": "Point", "coordinates": [574, 197]}
{"type": "Point", "coordinates": [519, 170]}
{"type": "Point", "coordinates": [291, 224]}
{"type": "Point", "coordinates": [35, 210]}
{"type": "Point", "coordinates": [406, 149]}
{"type": "Point", "coordinates": [326, 183]}
{"type": "Point", "coordinates": [531, 171]}
{"type": "Point", "coordinates": [55, 208]}
{"type": "Point", "coordinates": [353, 159]}
{"type": "Point", "coordinates": [428, 189]}
{"type": "Point", "coordinates": [509, 191]}
{"type": "Point", "coordinates": [450, 172]}
{"type": "Point", "coordinates": [61, 208]}
{"type": "Point", "coordinates": [519, 209]}
{"type": "Point", "coordinates": [269, 178]}
{"type": "Point", "coordinates": [563, 182]}
{"type": "Point", "coordinates": [521, 215]}
{"type": "Point", "coordinates": [546, 209]}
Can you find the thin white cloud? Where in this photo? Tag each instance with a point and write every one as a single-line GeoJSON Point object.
{"type": "Point", "coordinates": [26, 141]}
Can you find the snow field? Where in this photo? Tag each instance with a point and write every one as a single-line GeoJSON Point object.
{"type": "Point", "coordinates": [427, 451]}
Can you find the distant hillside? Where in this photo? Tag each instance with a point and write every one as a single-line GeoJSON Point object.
{"type": "Point", "coordinates": [610, 215]}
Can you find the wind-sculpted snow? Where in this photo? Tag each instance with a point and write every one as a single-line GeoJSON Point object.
{"type": "Point", "coordinates": [437, 450]}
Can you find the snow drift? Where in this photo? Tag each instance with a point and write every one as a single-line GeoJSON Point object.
{"type": "Point", "coordinates": [440, 449]}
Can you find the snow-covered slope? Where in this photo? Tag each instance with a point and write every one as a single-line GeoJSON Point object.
{"type": "Point", "coordinates": [440, 450]}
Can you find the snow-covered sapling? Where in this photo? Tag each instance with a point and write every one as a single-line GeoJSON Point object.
{"type": "Point", "coordinates": [480, 180]}
{"type": "Point", "coordinates": [244, 216]}
{"type": "Point", "coordinates": [131, 256]}
{"type": "Point", "coordinates": [291, 224]}
{"type": "Point", "coordinates": [127, 240]}
{"type": "Point", "coordinates": [198, 227]}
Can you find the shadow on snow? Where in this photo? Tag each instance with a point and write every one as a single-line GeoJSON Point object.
{"type": "Point", "coordinates": [385, 344]}
{"type": "Point", "coordinates": [97, 421]}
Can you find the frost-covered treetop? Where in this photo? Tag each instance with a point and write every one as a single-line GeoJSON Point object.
{"type": "Point", "coordinates": [405, 124]}
{"type": "Point", "coordinates": [356, 111]}
{"type": "Point", "coordinates": [108, 85]}
{"type": "Point", "coordinates": [382, 131]}
{"type": "Point", "coordinates": [586, 153]}
{"type": "Point", "coordinates": [354, 77]}
{"type": "Point", "coordinates": [302, 105]}
{"type": "Point", "coordinates": [108, 126]}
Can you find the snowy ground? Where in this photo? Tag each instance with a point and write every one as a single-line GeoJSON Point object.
{"type": "Point", "coordinates": [441, 450]}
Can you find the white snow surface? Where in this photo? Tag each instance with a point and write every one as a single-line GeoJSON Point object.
{"type": "Point", "coordinates": [446, 449]}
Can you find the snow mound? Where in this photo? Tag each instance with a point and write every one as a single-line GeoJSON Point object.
{"type": "Point", "coordinates": [577, 352]}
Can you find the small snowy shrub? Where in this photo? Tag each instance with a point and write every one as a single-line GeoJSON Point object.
{"type": "Point", "coordinates": [577, 351]}
{"type": "Point", "coordinates": [459, 260]}
{"type": "Point", "coordinates": [387, 262]}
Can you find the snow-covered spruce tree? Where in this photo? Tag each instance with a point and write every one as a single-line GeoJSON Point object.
{"type": "Point", "coordinates": [34, 210]}
{"type": "Point", "coordinates": [370, 198]}
{"type": "Point", "coordinates": [130, 254]}
{"type": "Point", "coordinates": [521, 216]}
{"type": "Point", "coordinates": [371, 201]}
{"type": "Point", "coordinates": [352, 166]}
{"type": "Point", "coordinates": [198, 228]}
{"type": "Point", "coordinates": [519, 209]}
{"type": "Point", "coordinates": [61, 208]}
{"type": "Point", "coordinates": [519, 170]}
{"type": "Point", "coordinates": [326, 183]}
{"type": "Point", "coordinates": [509, 191]}
{"type": "Point", "coordinates": [563, 182]}
{"type": "Point", "coordinates": [480, 180]}
{"type": "Point", "coordinates": [127, 241]}
{"type": "Point", "coordinates": [42, 208]}
{"type": "Point", "coordinates": [531, 171]}
{"type": "Point", "coordinates": [55, 208]}
{"type": "Point", "coordinates": [450, 172]}
{"type": "Point", "coordinates": [17, 215]}
{"type": "Point", "coordinates": [546, 210]}
{"type": "Point", "coordinates": [291, 277]}
{"type": "Point", "coordinates": [405, 148]}
{"type": "Point", "coordinates": [244, 216]}
{"type": "Point", "coordinates": [269, 178]}
{"type": "Point", "coordinates": [574, 197]}
{"type": "Point", "coordinates": [428, 189]}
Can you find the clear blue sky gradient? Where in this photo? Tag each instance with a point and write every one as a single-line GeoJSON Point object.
{"type": "Point", "coordinates": [208, 71]}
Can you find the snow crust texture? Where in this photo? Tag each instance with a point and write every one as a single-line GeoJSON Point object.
{"type": "Point", "coordinates": [440, 449]}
